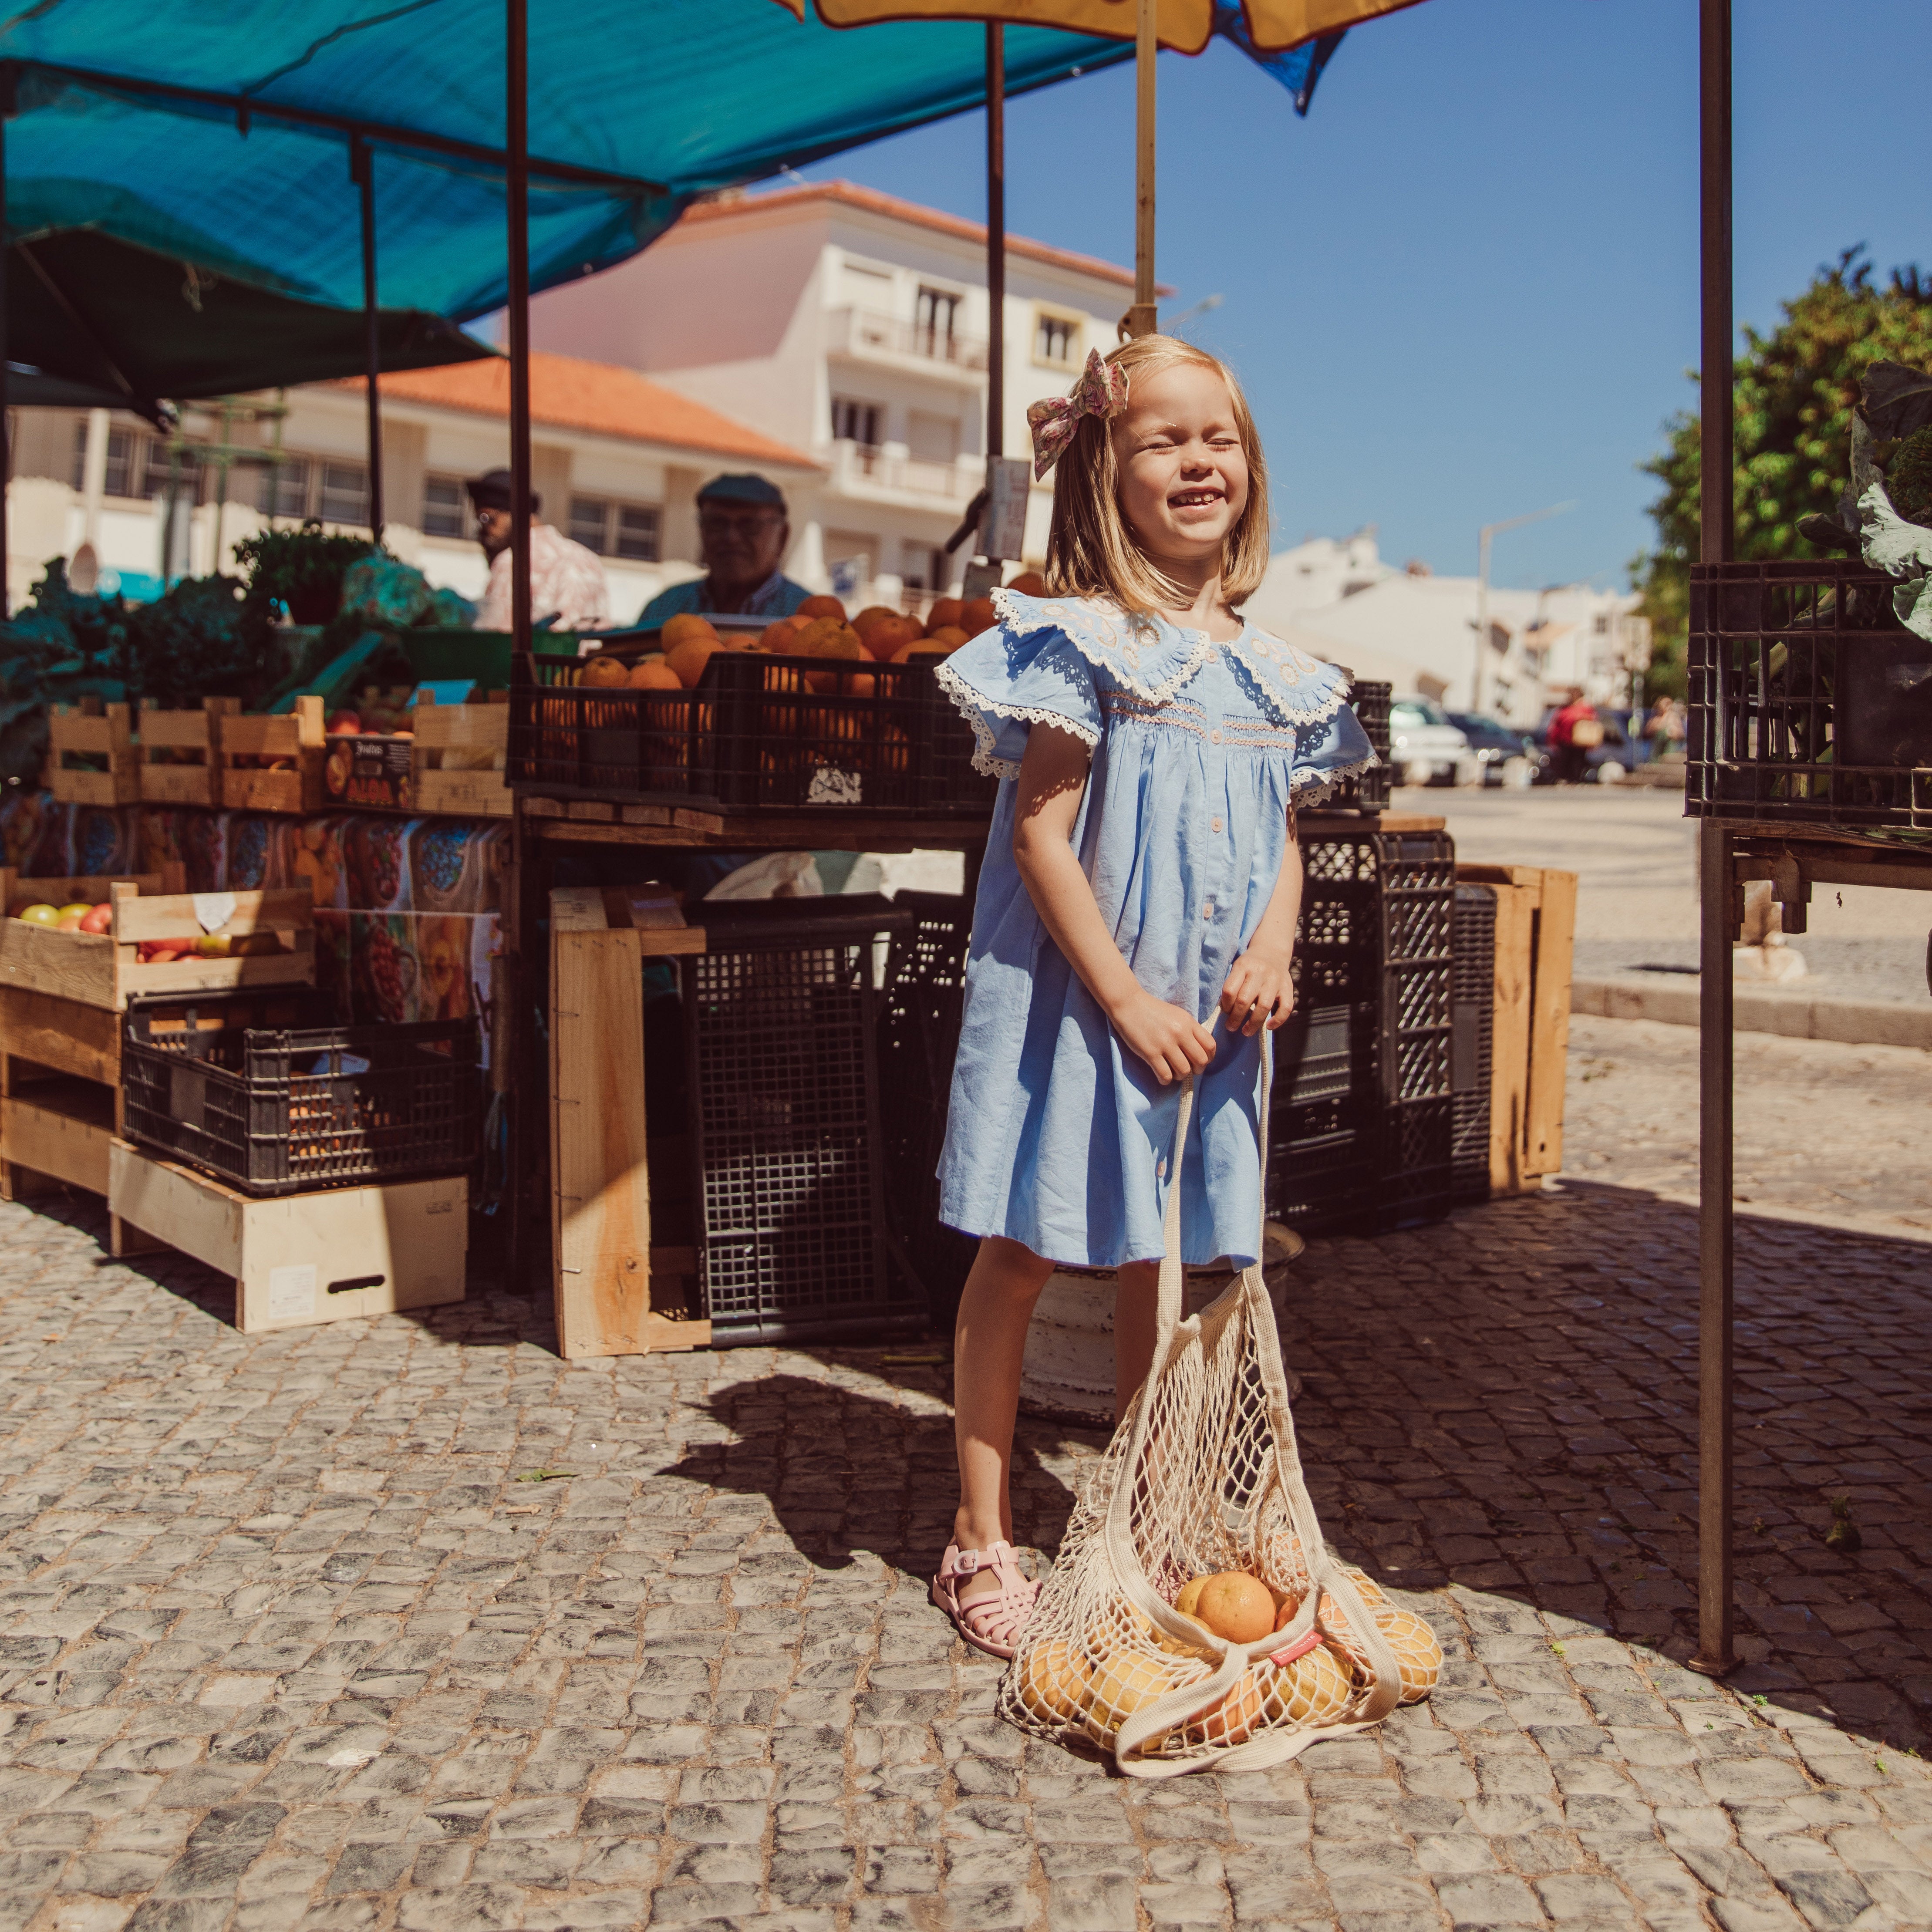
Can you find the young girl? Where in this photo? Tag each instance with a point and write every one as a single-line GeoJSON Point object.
{"type": "Point", "coordinates": [1140, 889]}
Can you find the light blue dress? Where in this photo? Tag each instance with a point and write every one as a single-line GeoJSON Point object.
{"type": "Point", "coordinates": [1058, 1136]}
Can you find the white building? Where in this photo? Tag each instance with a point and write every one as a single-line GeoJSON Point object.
{"type": "Point", "coordinates": [854, 326]}
{"type": "Point", "coordinates": [1418, 631]}
{"type": "Point", "coordinates": [617, 460]}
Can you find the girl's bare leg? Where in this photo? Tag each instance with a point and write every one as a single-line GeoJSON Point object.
{"type": "Point", "coordinates": [989, 1343]}
{"type": "Point", "coordinates": [1135, 1301]}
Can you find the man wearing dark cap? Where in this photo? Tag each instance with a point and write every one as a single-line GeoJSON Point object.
{"type": "Point", "coordinates": [742, 534]}
{"type": "Point", "coordinates": [566, 580]}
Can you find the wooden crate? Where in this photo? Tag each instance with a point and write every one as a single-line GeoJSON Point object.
{"type": "Point", "coordinates": [600, 1185]}
{"type": "Point", "coordinates": [196, 731]}
{"type": "Point", "coordinates": [102, 969]}
{"type": "Point", "coordinates": [459, 754]}
{"type": "Point", "coordinates": [93, 730]}
{"type": "Point", "coordinates": [303, 1259]}
{"type": "Point", "coordinates": [296, 736]}
{"type": "Point", "coordinates": [1536, 926]}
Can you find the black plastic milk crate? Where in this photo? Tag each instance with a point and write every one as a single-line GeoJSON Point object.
{"type": "Point", "coordinates": [925, 983]}
{"type": "Point", "coordinates": [1472, 1057]}
{"type": "Point", "coordinates": [757, 733]}
{"type": "Point", "coordinates": [279, 1110]}
{"type": "Point", "coordinates": [1809, 699]}
{"type": "Point", "coordinates": [1325, 1120]}
{"type": "Point", "coordinates": [783, 1022]}
{"type": "Point", "coordinates": [1370, 791]}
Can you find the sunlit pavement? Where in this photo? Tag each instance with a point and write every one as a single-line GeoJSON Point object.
{"type": "Point", "coordinates": [291, 1638]}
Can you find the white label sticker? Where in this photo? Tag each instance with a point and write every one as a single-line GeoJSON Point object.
{"type": "Point", "coordinates": [292, 1292]}
{"type": "Point", "coordinates": [213, 910]}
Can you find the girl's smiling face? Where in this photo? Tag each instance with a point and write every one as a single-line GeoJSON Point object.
{"type": "Point", "coordinates": [1184, 474]}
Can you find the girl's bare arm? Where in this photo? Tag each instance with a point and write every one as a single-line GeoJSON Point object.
{"type": "Point", "coordinates": [1053, 774]}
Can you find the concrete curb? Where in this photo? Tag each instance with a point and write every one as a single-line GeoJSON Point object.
{"type": "Point", "coordinates": [1673, 998]}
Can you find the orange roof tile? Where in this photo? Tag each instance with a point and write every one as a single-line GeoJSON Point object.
{"type": "Point", "coordinates": [849, 194]}
{"type": "Point", "coordinates": [568, 393]}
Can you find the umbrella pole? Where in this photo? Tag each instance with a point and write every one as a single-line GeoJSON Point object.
{"type": "Point", "coordinates": [518, 184]}
{"type": "Point", "coordinates": [1143, 318]}
{"type": "Point", "coordinates": [996, 239]}
{"type": "Point", "coordinates": [362, 168]}
{"type": "Point", "coordinates": [1717, 928]}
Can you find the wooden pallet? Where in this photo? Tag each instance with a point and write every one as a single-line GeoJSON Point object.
{"type": "Point", "coordinates": [600, 1195]}
{"type": "Point", "coordinates": [196, 731]}
{"type": "Point", "coordinates": [1536, 926]}
{"type": "Point", "coordinates": [303, 1259]}
{"type": "Point", "coordinates": [92, 730]}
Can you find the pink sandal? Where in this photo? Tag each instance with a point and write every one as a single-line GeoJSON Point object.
{"type": "Point", "coordinates": [992, 1624]}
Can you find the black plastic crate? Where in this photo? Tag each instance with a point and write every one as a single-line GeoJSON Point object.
{"type": "Point", "coordinates": [1369, 792]}
{"type": "Point", "coordinates": [758, 733]}
{"type": "Point", "coordinates": [1324, 1119]}
{"type": "Point", "coordinates": [1809, 700]}
{"type": "Point", "coordinates": [1472, 1054]}
{"type": "Point", "coordinates": [783, 1021]}
{"type": "Point", "coordinates": [280, 1110]}
{"type": "Point", "coordinates": [926, 984]}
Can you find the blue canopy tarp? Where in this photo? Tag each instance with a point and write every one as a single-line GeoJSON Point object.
{"type": "Point", "coordinates": [217, 131]}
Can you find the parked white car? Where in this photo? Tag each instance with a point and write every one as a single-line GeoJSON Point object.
{"type": "Point", "coordinates": [1424, 748]}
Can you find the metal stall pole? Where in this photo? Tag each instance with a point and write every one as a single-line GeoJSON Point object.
{"type": "Point", "coordinates": [362, 172]}
{"type": "Point", "coordinates": [1717, 924]}
{"type": "Point", "coordinates": [518, 182]}
{"type": "Point", "coordinates": [527, 1098]}
{"type": "Point", "coordinates": [996, 238]}
{"type": "Point", "coordinates": [1144, 318]}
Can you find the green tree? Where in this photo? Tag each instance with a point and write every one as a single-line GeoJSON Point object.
{"type": "Point", "coordinates": [1792, 398]}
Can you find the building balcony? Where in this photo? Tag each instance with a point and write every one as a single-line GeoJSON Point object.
{"type": "Point", "coordinates": [870, 474]}
{"type": "Point", "coordinates": [865, 335]}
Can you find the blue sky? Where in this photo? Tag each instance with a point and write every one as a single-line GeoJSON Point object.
{"type": "Point", "coordinates": [1465, 286]}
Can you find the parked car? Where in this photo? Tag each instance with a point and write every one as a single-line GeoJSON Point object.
{"type": "Point", "coordinates": [1424, 748]}
{"type": "Point", "coordinates": [1622, 751]}
{"type": "Point", "coordinates": [1504, 754]}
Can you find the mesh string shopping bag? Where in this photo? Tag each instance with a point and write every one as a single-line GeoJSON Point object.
{"type": "Point", "coordinates": [1202, 1478]}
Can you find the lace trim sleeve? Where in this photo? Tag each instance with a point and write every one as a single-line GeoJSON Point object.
{"type": "Point", "coordinates": [973, 705]}
{"type": "Point", "coordinates": [1311, 784]}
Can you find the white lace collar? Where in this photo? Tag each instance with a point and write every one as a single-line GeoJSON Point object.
{"type": "Point", "coordinates": [1154, 659]}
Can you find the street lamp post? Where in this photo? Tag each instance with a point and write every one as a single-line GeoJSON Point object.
{"type": "Point", "coordinates": [1489, 530]}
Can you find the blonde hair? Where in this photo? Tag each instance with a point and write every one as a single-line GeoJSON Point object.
{"type": "Point", "coordinates": [1090, 552]}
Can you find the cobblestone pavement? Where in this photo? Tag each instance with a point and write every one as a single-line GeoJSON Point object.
{"type": "Point", "coordinates": [291, 1634]}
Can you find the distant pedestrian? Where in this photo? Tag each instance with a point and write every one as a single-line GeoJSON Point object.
{"type": "Point", "coordinates": [1575, 732]}
{"type": "Point", "coordinates": [1664, 729]}
{"type": "Point", "coordinates": [566, 579]}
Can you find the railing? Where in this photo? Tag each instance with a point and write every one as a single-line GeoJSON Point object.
{"type": "Point", "coordinates": [860, 331]}
{"type": "Point", "coordinates": [869, 468]}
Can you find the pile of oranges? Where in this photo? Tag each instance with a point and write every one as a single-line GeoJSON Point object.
{"type": "Point", "coordinates": [820, 629]}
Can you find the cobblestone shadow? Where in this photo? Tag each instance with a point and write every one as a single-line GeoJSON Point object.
{"type": "Point", "coordinates": [1509, 1403]}
{"type": "Point", "coordinates": [846, 1469]}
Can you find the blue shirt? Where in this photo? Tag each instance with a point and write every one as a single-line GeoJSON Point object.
{"type": "Point", "coordinates": [778, 596]}
{"type": "Point", "coordinates": [1058, 1136]}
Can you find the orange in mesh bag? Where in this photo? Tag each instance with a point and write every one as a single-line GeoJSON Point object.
{"type": "Point", "coordinates": [1202, 1478]}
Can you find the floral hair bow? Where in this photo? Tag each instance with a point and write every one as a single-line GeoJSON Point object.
{"type": "Point", "coordinates": [1102, 391]}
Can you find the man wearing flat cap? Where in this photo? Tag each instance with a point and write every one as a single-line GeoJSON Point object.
{"type": "Point", "coordinates": [743, 534]}
{"type": "Point", "coordinates": [567, 583]}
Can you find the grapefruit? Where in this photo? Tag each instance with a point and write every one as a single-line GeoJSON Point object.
{"type": "Point", "coordinates": [602, 673]}
{"type": "Point", "coordinates": [654, 674]}
{"type": "Point", "coordinates": [945, 611]}
{"type": "Point", "coordinates": [1236, 1606]}
{"type": "Point", "coordinates": [871, 615]}
{"type": "Point", "coordinates": [978, 615]}
{"type": "Point", "coordinates": [950, 635]}
{"type": "Point", "coordinates": [821, 606]}
{"type": "Point", "coordinates": [688, 660]}
{"type": "Point", "coordinates": [777, 638]}
{"type": "Point", "coordinates": [1029, 583]}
